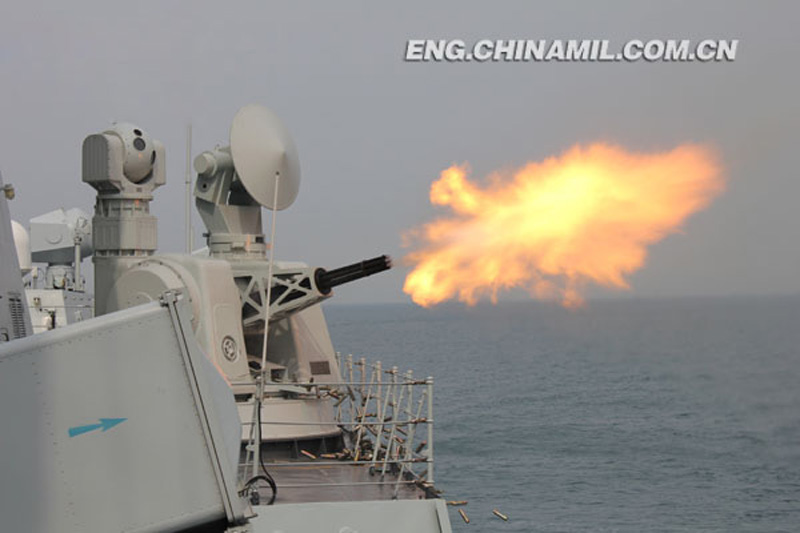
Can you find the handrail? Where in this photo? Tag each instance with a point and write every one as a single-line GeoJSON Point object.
{"type": "Point", "coordinates": [294, 464]}
{"type": "Point", "coordinates": [378, 413]}
{"type": "Point", "coordinates": [383, 402]}
{"type": "Point", "coordinates": [292, 423]}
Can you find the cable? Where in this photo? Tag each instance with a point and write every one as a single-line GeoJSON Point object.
{"type": "Point", "coordinates": [254, 498]}
{"type": "Point", "coordinates": [266, 477]}
{"type": "Point", "coordinates": [270, 480]}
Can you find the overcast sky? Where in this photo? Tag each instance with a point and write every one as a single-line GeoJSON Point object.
{"type": "Point", "coordinates": [373, 131]}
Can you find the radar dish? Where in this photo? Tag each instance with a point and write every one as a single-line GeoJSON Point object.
{"type": "Point", "coordinates": [262, 148]}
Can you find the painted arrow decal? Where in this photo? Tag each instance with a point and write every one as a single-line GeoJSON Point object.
{"type": "Point", "coordinates": [105, 424]}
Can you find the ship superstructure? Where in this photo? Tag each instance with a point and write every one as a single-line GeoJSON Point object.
{"type": "Point", "coordinates": [298, 437]}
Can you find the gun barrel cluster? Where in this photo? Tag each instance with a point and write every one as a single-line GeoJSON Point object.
{"type": "Point", "coordinates": [328, 279]}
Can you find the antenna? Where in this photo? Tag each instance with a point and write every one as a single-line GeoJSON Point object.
{"type": "Point", "coordinates": [269, 277]}
{"type": "Point", "coordinates": [188, 182]}
{"type": "Point", "coordinates": [262, 149]}
{"type": "Point", "coordinates": [263, 378]}
{"type": "Point", "coordinates": [234, 182]}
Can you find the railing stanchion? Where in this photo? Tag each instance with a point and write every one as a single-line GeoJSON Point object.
{"type": "Point", "coordinates": [379, 411]}
{"type": "Point", "coordinates": [430, 429]}
{"type": "Point", "coordinates": [363, 363]}
{"type": "Point", "coordinates": [338, 358]}
{"type": "Point", "coordinates": [362, 415]}
{"type": "Point", "coordinates": [410, 405]}
{"type": "Point", "coordinates": [349, 389]}
{"type": "Point", "coordinates": [395, 403]}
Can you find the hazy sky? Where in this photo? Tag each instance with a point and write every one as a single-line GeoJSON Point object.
{"type": "Point", "coordinates": [373, 131]}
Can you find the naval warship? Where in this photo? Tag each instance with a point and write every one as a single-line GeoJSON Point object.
{"type": "Point", "coordinates": [195, 392]}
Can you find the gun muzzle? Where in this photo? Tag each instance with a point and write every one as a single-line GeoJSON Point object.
{"type": "Point", "coordinates": [328, 279]}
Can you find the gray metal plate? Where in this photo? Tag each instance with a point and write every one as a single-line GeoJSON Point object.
{"type": "Point", "coordinates": [152, 471]}
{"type": "Point", "coordinates": [419, 516]}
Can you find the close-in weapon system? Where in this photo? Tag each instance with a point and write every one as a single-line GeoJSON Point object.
{"type": "Point", "coordinates": [234, 290]}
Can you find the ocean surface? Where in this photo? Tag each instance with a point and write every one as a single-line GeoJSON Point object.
{"type": "Point", "coordinates": [640, 415]}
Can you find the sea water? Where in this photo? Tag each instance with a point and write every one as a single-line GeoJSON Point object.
{"type": "Point", "coordinates": [628, 415]}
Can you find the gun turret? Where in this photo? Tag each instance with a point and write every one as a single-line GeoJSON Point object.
{"type": "Point", "coordinates": [328, 279]}
{"type": "Point", "coordinates": [294, 289]}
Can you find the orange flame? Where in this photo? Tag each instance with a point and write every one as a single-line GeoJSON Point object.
{"type": "Point", "coordinates": [553, 226]}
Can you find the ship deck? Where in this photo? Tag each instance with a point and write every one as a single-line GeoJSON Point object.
{"type": "Point", "coordinates": [303, 481]}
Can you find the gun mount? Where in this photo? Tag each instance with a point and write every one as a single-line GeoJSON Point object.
{"type": "Point", "coordinates": [227, 287]}
{"type": "Point", "coordinates": [295, 289]}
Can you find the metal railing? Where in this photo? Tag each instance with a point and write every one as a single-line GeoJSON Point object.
{"type": "Point", "coordinates": [386, 417]}
{"type": "Point", "coordinates": [391, 424]}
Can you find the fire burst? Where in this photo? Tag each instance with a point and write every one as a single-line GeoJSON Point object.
{"type": "Point", "coordinates": [551, 227]}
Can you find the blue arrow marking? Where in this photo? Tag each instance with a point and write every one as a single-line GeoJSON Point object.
{"type": "Point", "coordinates": [105, 424]}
